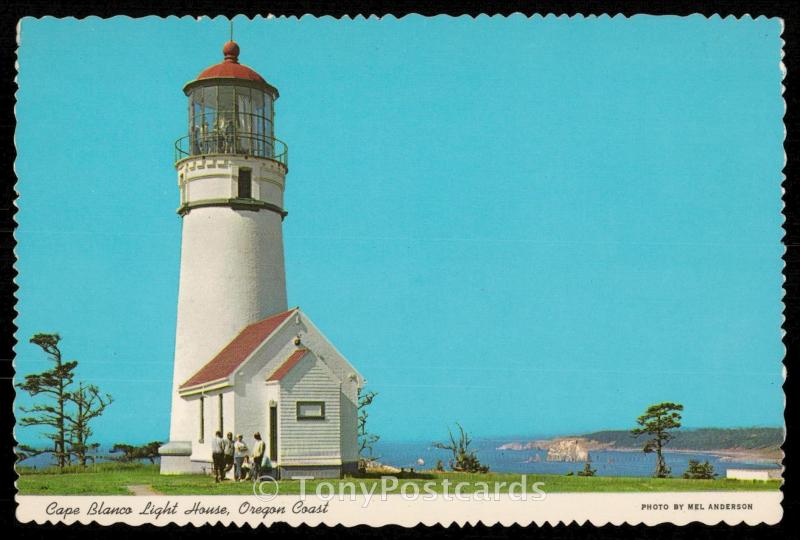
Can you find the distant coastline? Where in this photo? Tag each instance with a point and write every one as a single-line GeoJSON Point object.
{"type": "Point", "coordinates": [757, 445]}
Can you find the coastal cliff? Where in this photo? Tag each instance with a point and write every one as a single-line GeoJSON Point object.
{"type": "Point", "coordinates": [568, 450]}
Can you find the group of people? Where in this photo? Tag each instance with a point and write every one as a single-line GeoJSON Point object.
{"type": "Point", "coordinates": [228, 453]}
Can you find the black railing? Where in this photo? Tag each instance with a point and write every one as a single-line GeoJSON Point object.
{"type": "Point", "coordinates": [234, 143]}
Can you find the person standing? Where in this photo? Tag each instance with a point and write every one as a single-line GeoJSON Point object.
{"type": "Point", "coordinates": [258, 454]}
{"type": "Point", "coordinates": [239, 456]}
{"type": "Point", "coordinates": [228, 451]}
{"type": "Point", "coordinates": [218, 456]}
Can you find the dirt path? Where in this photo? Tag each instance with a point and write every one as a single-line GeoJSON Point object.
{"type": "Point", "coordinates": [142, 489]}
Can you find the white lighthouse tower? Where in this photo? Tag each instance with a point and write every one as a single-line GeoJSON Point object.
{"type": "Point", "coordinates": [244, 362]}
{"type": "Point", "coordinates": [231, 177]}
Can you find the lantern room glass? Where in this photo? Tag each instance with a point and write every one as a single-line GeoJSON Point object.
{"type": "Point", "coordinates": [231, 119]}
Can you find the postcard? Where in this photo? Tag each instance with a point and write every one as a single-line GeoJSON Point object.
{"type": "Point", "coordinates": [402, 270]}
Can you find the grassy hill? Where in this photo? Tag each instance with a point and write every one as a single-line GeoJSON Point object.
{"type": "Point", "coordinates": [702, 438]}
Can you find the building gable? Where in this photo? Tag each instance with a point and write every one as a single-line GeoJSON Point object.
{"type": "Point", "coordinates": [315, 340]}
{"type": "Point", "coordinates": [235, 353]}
{"type": "Point", "coordinates": [287, 371]}
{"type": "Point", "coordinates": [246, 346]}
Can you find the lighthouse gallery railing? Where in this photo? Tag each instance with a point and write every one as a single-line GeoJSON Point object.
{"type": "Point", "coordinates": [232, 142]}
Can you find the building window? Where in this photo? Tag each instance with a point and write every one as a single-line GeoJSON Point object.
{"type": "Point", "coordinates": [311, 410]}
{"type": "Point", "coordinates": [245, 184]}
{"type": "Point", "coordinates": [202, 426]}
{"type": "Point", "coordinates": [221, 417]}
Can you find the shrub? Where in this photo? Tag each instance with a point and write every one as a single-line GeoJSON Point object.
{"type": "Point", "coordinates": [587, 470]}
{"type": "Point", "coordinates": [699, 471]}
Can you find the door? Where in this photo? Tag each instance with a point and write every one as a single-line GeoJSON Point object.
{"type": "Point", "coordinates": [273, 433]}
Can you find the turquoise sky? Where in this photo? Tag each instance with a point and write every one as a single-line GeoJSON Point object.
{"type": "Point", "coordinates": [530, 226]}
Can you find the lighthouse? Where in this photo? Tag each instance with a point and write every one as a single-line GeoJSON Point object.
{"type": "Point", "coordinates": [234, 328]}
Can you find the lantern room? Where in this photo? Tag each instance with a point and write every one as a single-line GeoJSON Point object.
{"type": "Point", "coordinates": [231, 111]}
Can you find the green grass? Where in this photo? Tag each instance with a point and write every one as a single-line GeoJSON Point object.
{"type": "Point", "coordinates": [100, 479]}
{"type": "Point", "coordinates": [111, 479]}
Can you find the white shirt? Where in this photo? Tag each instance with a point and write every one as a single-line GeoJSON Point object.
{"type": "Point", "coordinates": [217, 445]}
{"type": "Point", "coordinates": [240, 449]}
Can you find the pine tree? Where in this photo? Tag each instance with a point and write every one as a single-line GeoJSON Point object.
{"type": "Point", "coordinates": [89, 404]}
{"type": "Point", "coordinates": [130, 452]}
{"type": "Point", "coordinates": [53, 384]}
{"type": "Point", "coordinates": [657, 421]}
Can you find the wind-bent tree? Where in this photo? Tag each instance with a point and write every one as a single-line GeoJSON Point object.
{"type": "Point", "coordinates": [366, 440]}
{"type": "Point", "coordinates": [66, 411]}
{"type": "Point", "coordinates": [130, 452]}
{"type": "Point", "coordinates": [52, 384]}
{"type": "Point", "coordinates": [89, 404]}
{"type": "Point", "coordinates": [464, 459]}
{"type": "Point", "coordinates": [656, 422]}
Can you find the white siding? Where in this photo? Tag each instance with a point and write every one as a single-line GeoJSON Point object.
{"type": "Point", "coordinates": [309, 441]}
{"type": "Point", "coordinates": [349, 435]}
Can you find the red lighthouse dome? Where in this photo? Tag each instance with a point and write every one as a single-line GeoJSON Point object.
{"type": "Point", "coordinates": [230, 67]}
{"type": "Point", "coordinates": [232, 70]}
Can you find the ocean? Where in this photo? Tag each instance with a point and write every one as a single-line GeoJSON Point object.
{"type": "Point", "coordinates": [606, 463]}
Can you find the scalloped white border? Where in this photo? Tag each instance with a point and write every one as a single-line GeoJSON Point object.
{"type": "Point", "coordinates": [596, 508]}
